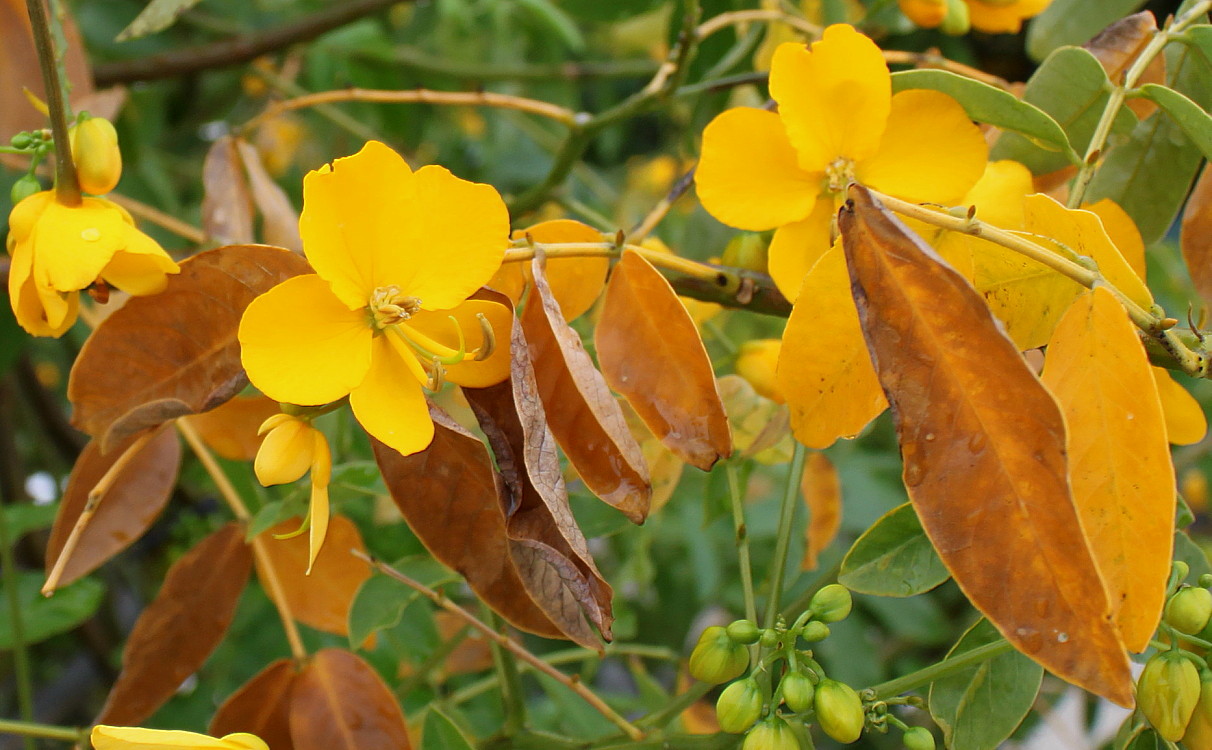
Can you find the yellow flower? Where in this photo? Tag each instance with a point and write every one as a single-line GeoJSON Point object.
{"type": "Point", "coordinates": [837, 122]}
{"type": "Point", "coordinates": [135, 738]}
{"type": "Point", "coordinates": [58, 250]}
{"type": "Point", "coordinates": [292, 447]}
{"type": "Point", "coordinates": [990, 16]}
{"type": "Point", "coordinates": [396, 253]}
{"type": "Point", "coordinates": [924, 13]}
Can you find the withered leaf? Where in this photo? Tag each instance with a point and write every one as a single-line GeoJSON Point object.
{"type": "Point", "coordinates": [279, 219]}
{"type": "Point", "coordinates": [1117, 46]}
{"type": "Point", "coordinates": [340, 703]}
{"type": "Point", "coordinates": [547, 545]}
{"type": "Point", "coordinates": [581, 411]}
{"type": "Point", "coordinates": [174, 353]}
{"type": "Point", "coordinates": [822, 491]}
{"type": "Point", "coordinates": [983, 445]}
{"type": "Point", "coordinates": [261, 707]}
{"type": "Point", "coordinates": [19, 68]}
{"type": "Point", "coordinates": [451, 497]}
{"type": "Point", "coordinates": [1196, 235]}
{"type": "Point", "coordinates": [181, 627]}
{"type": "Point", "coordinates": [230, 429]}
{"type": "Point", "coordinates": [323, 598]}
{"type": "Point", "coordinates": [130, 506]}
{"type": "Point", "coordinates": [227, 207]}
{"type": "Point", "coordinates": [651, 353]}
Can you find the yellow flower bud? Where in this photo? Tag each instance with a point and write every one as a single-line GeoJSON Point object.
{"type": "Point", "coordinates": [839, 711]}
{"type": "Point", "coordinates": [95, 152]}
{"type": "Point", "coordinates": [798, 691]}
{"type": "Point", "coordinates": [739, 706]}
{"type": "Point", "coordinates": [717, 658]}
{"type": "Point", "coordinates": [925, 13]}
{"type": "Point", "coordinates": [1167, 693]}
{"type": "Point", "coordinates": [918, 738]}
{"type": "Point", "coordinates": [772, 734]}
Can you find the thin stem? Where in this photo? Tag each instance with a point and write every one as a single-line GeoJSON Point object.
{"type": "Point", "coordinates": [791, 492]}
{"type": "Point", "coordinates": [506, 667]}
{"type": "Point", "coordinates": [277, 593]}
{"type": "Point", "coordinates": [661, 209]}
{"type": "Point", "coordinates": [508, 643]}
{"type": "Point", "coordinates": [23, 674]}
{"type": "Point", "coordinates": [1115, 101]}
{"type": "Point", "coordinates": [30, 729]}
{"type": "Point", "coordinates": [141, 210]}
{"type": "Point", "coordinates": [941, 669]}
{"type": "Point", "coordinates": [334, 114]}
{"type": "Point", "coordinates": [724, 20]}
{"type": "Point", "coordinates": [415, 59]}
{"type": "Point", "coordinates": [525, 250]}
{"type": "Point", "coordinates": [675, 707]}
{"type": "Point", "coordinates": [737, 500]}
{"type": "Point", "coordinates": [67, 189]}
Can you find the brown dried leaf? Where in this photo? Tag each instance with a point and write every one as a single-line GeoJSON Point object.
{"type": "Point", "coordinates": [1196, 235]}
{"type": "Point", "coordinates": [650, 352]}
{"type": "Point", "coordinates": [451, 497]}
{"type": "Point", "coordinates": [322, 599]}
{"type": "Point", "coordinates": [983, 445]}
{"type": "Point", "coordinates": [822, 490]}
{"type": "Point", "coordinates": [174, 353]}
{"type": "Point", "coordinates": [582, 413]}
{"type": "Point", "coordinates": [230, 429]}
{"type": "Point", "coordinates": [181, 627]}
{"type": "Point", "coordinates": [261, 707]}
{"type": "Point", "coordinates": [279, 219]}
{"type": "Point", "coordinates": [227, 205]}
{"type": "Point", "coordinates": [340, 703]}
{"type": "Point", "coordinates": [545, 542]}
{"type": "Point", "coordinates": [19, 68]}
{"type": "Point", "coordinates": [1118, 45]}
{"type": "Point", "coordinates": [133, 502]}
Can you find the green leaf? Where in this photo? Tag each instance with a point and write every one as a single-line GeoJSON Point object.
{"type": "Point", "coordinates": [979, 707]}
{"type": "Point", "coordinates": [893, 558]}
{"type": "Point", "coordinates": [1200, 40]}
{"type": "Point", "coordinates": [440, 733]}
{"type": "Point", "coordinates": [41, 616]}
{"type": "Point", "coordinates": [1074, 22]}
{"type": "Point", "coordinates": [1186, 114]}
{"type": "Point", "coordinates": [1191, 553]}
{"type": "Point", "coordinates": [1072, 87]}
{"type": "Point", "coordinates": [990, 105]}
{"type": "Point", "coordinates": [381, 600]}
{"type": "Point", "coordinates": [555, 21]}
{"type": "Point", "coordinates": [157, 16]}
{"type": "Point", "coordinates": [26, 517]}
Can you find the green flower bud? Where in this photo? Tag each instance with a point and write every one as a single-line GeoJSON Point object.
{"type": "Point", "coordinates": [957, 21]}
{"type": "Point", "coordinates": [815, 631]}
{"type": "Point", "coordinates": [1179, 571]}
{"type": "Point", "coordinates": [797, 691]}
{"type": "Point", "coordinates": [918, 738]}
{"type": "Point", "coordinates": [1205, 581]}
{"type": "Point", "coordinates": [717, 658]}
{"type": "Point", "coordinates": [21, 140]}
{"type": "Point", "coordinates": [25, 186]}
{"type": "Point", "coordinates": [839, 711]}
{"type": "Point", "coordinates": [831, 603]}
{"type": "Point", "coordinates": [772, 734]}
{"type": "Point", "coordinates": [769, 638]}
{"type": "Point", "coordinates": [739, 706]}
{"type": "Point", "coordinates": [1167, 693]}
{"type": "Point", "coordinates": [1189, 610]}
{"type": "Point", "coordinates": [744, 631]}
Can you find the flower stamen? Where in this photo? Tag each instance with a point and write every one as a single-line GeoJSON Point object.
{"type": "Point", "coordinates": [839, 174]}
{"type": "Point", "coordinates": [488, 339]}
{"type": "Point", "coordinates": [388, 306]}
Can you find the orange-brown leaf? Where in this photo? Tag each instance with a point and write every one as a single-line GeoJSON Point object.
{"type": "Point", "coordinates": [230, 429]}
{"type": "Point", "coordinates": [822, 490]}
{"type": "Point", "coordinates": [340, 703]}
{"type": "Point", "coordinates": [19, 68]}
{"type": "Point", "coordinates": [1118, 46]}
{"type": "Point", "coordinates": [575, 283]}
{"type": "Point", "coordinates": [1196, 235]}
{"type": "Point", "coordinates": [181, 627]}
{"type": "Point", "coordinates": [130, 506]}
{"type": "Point", "coordinates": [650, 352]}
{"type": "Point", "coordinates": [261, 707]}
{"type": "Point", "coordinates": [321, 599]}
{"type": "Point", "coordinates": [983, 445]}
{"type": "Point", "coordinates": [451, 497]}
{"type": "Point", "coordinates": [227, 207]}
{"type": "Point", "coordinates": [174, 353]}
{"type": "Point", "coordinates": [583, 415]}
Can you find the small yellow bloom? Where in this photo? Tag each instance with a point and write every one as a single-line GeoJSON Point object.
{"type": "Point", "coordinates": [291, 448]}
{"type": "Point", "coordinates": [396, 253]}
{"type": "Point", "coordinates": [837, 122]}
{"type": "Point", "coordinates": [96, 155]}
{"type": "Point", "coordinates": [757, 363]}
{"type": "Point", "coordinates": [135, 738]}
{"type": "Point", "coordinates": [989, 16]}
{"type": "Point", "coordinates": [57, 250]}
{"type": "Point", "coordinates": [925, 13]}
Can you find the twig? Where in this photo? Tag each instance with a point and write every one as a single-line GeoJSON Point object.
{"type": "Point", "coordinates": [724, 20]}
{"type": "Point", "coordinates": [47, 731]}
{"type": "Point", "coordinates": [939, 670]}
{"type": "Point", "coordinates": [791, 492]}
{"type": "Point", "coordinates": [235, 51]}
{"type": "Point", "coordinates": [508, 643]}
{"type": "Point", "coordinates": [662, 207]}
{"type": "Point", "coordinates": [67, 190]}
{"type": "Point", "coordinates": [933, 59]}
{"type": "Point", "coordinates": [161, 219]}
{"type": "Point", "coordinates": [410, 57]}
{"type": "Point", "coordinates": [741, 533]}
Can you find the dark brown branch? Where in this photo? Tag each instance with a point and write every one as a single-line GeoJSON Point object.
{"type": "Point", "coordinates": [234, 51]}
{"type": "Point", "coordinates": [736, 288]}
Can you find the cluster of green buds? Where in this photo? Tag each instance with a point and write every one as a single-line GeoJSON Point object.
{"type": "Point", "coordinates": [786, 690]}
{"type": "Point", "coordinates": [35, 144]}
{"type": "Point", "coordinates": [95, 153]}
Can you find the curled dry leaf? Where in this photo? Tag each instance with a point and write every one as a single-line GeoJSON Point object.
{"type": "Point", "coordinates": [651, 353]}
{"type": "Point", "coordinates": [279, 219]}
{"type": "Point", "coordinates": [261, 707]}
{"type": "Point", "coordinates": [822, 490]}
{"type": "Point", "coordinates": [227, 207]}
{"type": "Point", "coordinates": [174, 353]}
{"type": "Point", "coordinates": [575, 283]}
{"type": "Point", "coordinates": [983, 445]}
{"type": "Point", "coordinates": [1196, 235]}
{"type": "Point", "coordinates": [545, 542]}
{"type": "Point", "coordinates": [1118, 45]}
{"type": "Point", "coordinates": [340, 703]}
{"type": "Point", "coordinates": [581, 411]}
{"type": "Point", "coordinates": [181, 627]}
{"type": "Point", "coordinates": [323, 598]}
{"type": "Point", "coordinates": [230, 429]}
{"type": "Point", "coordinates": [130, 506]}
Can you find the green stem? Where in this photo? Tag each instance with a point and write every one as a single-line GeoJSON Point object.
{"type": "Point", "coordinates": [942, 669]}
{"type": "Point", "coordinates": [67, 189]}
{"type": "Point", "coordinates": [31, 729]}
{"type": "Point", "coordinates": [826, 577]}
{"type": "Point", "coordinates": [736, 497]}
{"type": "Point", "coordinates": [675, 707]}
{"type": "Point", "coordinates": [510, 680]}
{"type": "Point", "coordinates": [779, 565]}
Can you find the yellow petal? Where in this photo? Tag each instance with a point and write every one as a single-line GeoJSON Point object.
{"type": "Point", "coordinates": [1001, 17]}
{"type": "Point", "coordinates": [998, 194]}
{"type": "Point", "coordinates": [1123, 232]}
{"type": "Point", "coordinates": [931, 151]}
{"type": "Point", "coordinates": [24, 217]}
{"type": "Point", "coordinates": [1185, 420]}
{"type": "Point", "coordinates": [318, 515]}
{"type": "Point", "coordinates": [136, 738]}
{"type": "Point", "coordinates": [245, 741]}
{"type": "Point", "coordinates": [73, 244]}
{"type": "Point", "coordinates": [140, 267]}
{"type": "Point", "coordinates": [576, 283]}
{"type": "Point", "coordinates": [509, 280]}
{"type": "Point", "coordinates": [747, 175]}
{"type": "Point", "coordinates": [757, 362]}
{"type": "Point", "coordinates": [285, 453]}
{"type": "Point", "coordinates": [925, 13]}
{"type": "Point", "coordinates": [834, 101]}
{"type": "Point", "coordinates": [390, 407]}
{"type": "Point", "coordinates": [469, 372]}
{"type": "Point", "coordinates": [27, 303]}
{"type": "Point", "coordinates": [796, 247]}
{"type": "Point", "coordinates": [300, 345]}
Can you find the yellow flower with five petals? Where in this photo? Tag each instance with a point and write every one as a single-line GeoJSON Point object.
{"type": "Point", "coordinates": [136, 738]}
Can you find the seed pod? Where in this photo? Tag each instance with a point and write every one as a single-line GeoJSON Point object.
{"type": "Point", "coordinates": [815, 631]}
{"type": "Point", "coordinates": [744, 631]}
{"type": "Point", "coordinates": [772, 734]}
{"type": "Point", "coordinates": [1167, 693]}
{"type": "Point", "coordinates": [797, 691]}
{"type": "Point", "coordinates": [717, 658]}
{"type": "Point", "coordinates": [831, 603]}
{"type": "Point", "coordinates": [918, 738]}
{"type": "Point", "coordinates": [739, 706]}
{"type": "Point", "coordinates": [1189, 610]}
{"type": "Point", "coordinates": [95, 152]}
{"type": "Point", "coordinates": [839, 711]}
